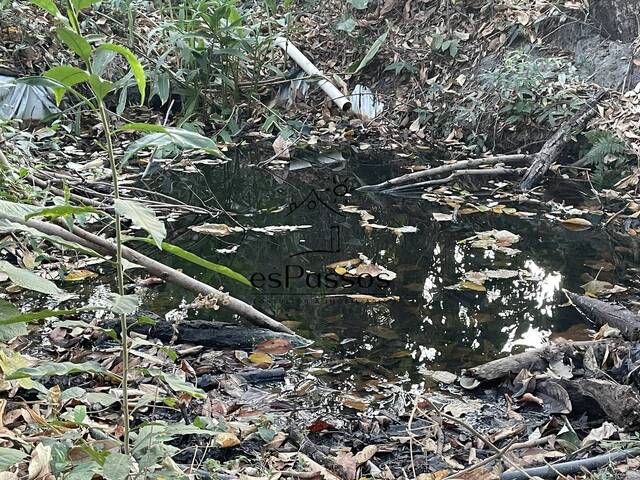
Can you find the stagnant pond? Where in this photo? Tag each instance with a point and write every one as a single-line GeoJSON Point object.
{"type": "Point", "coordinates": [427, 324]}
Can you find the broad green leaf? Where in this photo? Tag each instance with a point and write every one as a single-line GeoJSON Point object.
{"type": "Point", "coordinates": [48, 6]}
{"type": "Point", "coordinates": [29, 280]}
{"type": "Point", "coordinates": [60, 211]}
{"type": "Point", "coordinates": [18, 210]}
{"type": "Point", "coordinates": [142, 127]}
{"type": "Point", "coordinates": [104, 399]}
{"type": "Point", "coordinates": [100, 86]}
{"type": "Point", "coordinates": [359, 4]}
{"type": "Point", "coordinates": [142, 217]}
{"type": "Point", "coordinates": [346, 25]}
{"type": "Point", "coordinates": [355, 68]}
{"type": "Point", "coordinates": [7, 332]}
{"type": "Point", "coordinates": [80, 4]}
{"type": "Point", "coordinates": [193, 258]}
{"type": "Point", "coordinates": [163, 136]}
{"type": "Point", "coordinates": [11, 362]}
{"type": "Point", "coordinates": [73, 393]}
{"type": "Point", "coordinates": [56, 369]}
{"type": "Point", "coordinates": [66, 75]}
{"type": "Point", "coordinates": [124, 304]}
{"type": "Point", "coordinates": [77, 43]}
{"type": "Point", "coordinates": [117, 466]}
{"type": "Point", "coordinates": [136, 67]}
{"type": "Point", "coordinates": [10, 457]}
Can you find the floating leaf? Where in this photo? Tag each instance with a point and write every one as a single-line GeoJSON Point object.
{"type": "Point", "coordinates": [577, 224]}
{"type": "Point", "coordinates": [78, 275]}
{"type": "Point", "coordinates": [124, 304]}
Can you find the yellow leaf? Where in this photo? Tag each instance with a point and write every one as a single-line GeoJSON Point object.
{"type": "Point", "coordinates": [78, 275]}
{"type": "Point", "coordinates": [260, 357]}
{"type": "Point", "coordinates": [227, 440]}
{"type": "Point", "coordinates": [476, 287]}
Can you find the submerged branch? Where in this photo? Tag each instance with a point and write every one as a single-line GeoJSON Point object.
{"type": "Point", "coordinates": [494, 172]}
{"type": "Point", "coordinates": [450, 167]}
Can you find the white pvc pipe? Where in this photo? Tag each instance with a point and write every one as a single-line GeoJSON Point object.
{"type": "Point", "coordinates": [310, 69]}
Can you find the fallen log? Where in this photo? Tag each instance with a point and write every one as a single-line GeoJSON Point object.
{"type": "Point", "coordinates": [553, 148]}
{"type": "Point", "coordinates": [620, 403]}
{"type": "Point", "coordinates": [449, 167]}
{"type": "Point", "coordinates": [601, 313]}
{"type": "Point", "coordinates": [107, 247]}
{"type": "Point", "coordinates": [214, 335]}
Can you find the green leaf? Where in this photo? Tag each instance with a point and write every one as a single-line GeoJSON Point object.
{"type": "Point", "coordinates": [370, 54]}
{"type": "Point", "coordinates": [142, 217]}
{"type": "Point", "coordinates": [29, 280]}
{"type": "Point", "coordinates": [124, 304]}
{"type": "Point", "coordinates": [100, 86]}
{"type": "Point", "coordinates": [9, 331]}
{"type": "Point", "coordinates": [19, 210]}
{"type": "Point", "coordinates": [163, 136]}
{"type": "Point", "coordinates": [66, 75]}
{"type": "Point", "coordinates": [9, 457]}
{"type": "Point", "coordinates": [13, 316]}
{"type": "Point", "coordinates": [48, 6]}
{"type": "Point", "coordinates": [75, 42]}
{"type": "Point", "coordinates": [136, 67]}
{"type": "Point", "coordinates": [79, 413]}
{"type": "Point", "coordinates": [80, 4]}
{"type": "Point", "coordinates": [60, 211]}
{"type": "Point", "coordinates": [56, 369]}
{"type": "Point", "coordinates": [117, 466]}
{"type": "Point", "coordinates": [193, 258]}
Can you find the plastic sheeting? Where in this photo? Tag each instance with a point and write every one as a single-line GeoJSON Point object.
{"type": "Point", "coordinates": [24, 102]}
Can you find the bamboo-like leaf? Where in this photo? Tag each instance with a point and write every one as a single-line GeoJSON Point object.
{"type": "Point", "coordinates": [197, 260]}
{"type": "Point", "coordinates": [373, 51]}
{"type": "Point", "coordinates": [60, 211]}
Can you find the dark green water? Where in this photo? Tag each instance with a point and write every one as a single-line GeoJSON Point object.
{"type": "Point", "coordinates": [429, 325]}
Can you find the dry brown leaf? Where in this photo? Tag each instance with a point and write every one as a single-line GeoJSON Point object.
{"type": "Point", "coordinates": [227, 440]}
{"type": "Point", "coordinates": [365, 454]}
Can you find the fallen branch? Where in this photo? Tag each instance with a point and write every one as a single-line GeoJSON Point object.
{"type": "Point", "coordinates": [553, 148]}
{"type": "Point", "coordinates": [601, 313]}
{"type": "Point", "coordinates": [106, 247]}
{"type": "Point", "coordinates": [494, 172]}
{"type": "Point", "coordinates": [450, 167]}
{"type": "Point", "coordinates": [568, 468]}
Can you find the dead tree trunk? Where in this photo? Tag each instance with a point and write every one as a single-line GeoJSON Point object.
{"type": "Point", "coordinates": [553, 148]}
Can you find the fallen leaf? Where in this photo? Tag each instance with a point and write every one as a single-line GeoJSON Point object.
{"type": "Point", "coordinates": [275, 346]}
{"type": "Point", "coordinates": [576, 224]}
{"type": "Point", "coordinates": [365, 454]}
{"type": "Point", "coordinates": [78, 275]}
{"type": "Point", "coordinates": [604, 432]}
{"type": "Point", "coordinates": [260, 358]}
{"type": "Point", "coordinates": [227, 440]}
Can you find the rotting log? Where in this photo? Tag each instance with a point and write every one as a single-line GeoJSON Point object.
{"type": "Point", "coordinates": [106, 247]}
{"type": "Point", "coordinates": [211, 334]}
{"type": "Point", "coordinates": [553, 148]}
{"type": "Point", "coordinates": [447, 168]}
{"type": "Point", "coordinates": [601, 313]}
{"type": "Point", "coordinates": [620, 403]}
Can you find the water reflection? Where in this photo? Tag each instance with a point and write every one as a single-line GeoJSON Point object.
{"type": "Point", "coordinates": [429, 325]}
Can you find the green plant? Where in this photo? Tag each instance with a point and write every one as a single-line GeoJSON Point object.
{"type": "Point", "coordinates": [606, 155]}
